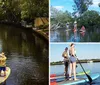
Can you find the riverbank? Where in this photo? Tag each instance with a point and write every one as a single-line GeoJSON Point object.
{"type": "Point", "coordinates": [82, 61]}
{"type": "Point", "coordinates": [41, 33]}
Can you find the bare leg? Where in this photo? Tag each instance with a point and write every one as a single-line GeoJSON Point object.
{"type": "Point", "coordinates": [65, 70]}
{"type": "Point", "coordinates": [74, 70]}
{"type": "Point", "coordinates": [70, 71]}
{"type": "Point", "coordinates": [4, 73]}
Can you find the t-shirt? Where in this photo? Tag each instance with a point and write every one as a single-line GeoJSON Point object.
{"type": "Point", "coordinates": [65, 55]}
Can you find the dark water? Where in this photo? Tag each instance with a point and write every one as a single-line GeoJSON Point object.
{"type": "Point", "coordinates": [61, 35]}
{"type": "Point", "coordinates": [93, 67]}
{"type": "Point", "coordinates": [27, 56]}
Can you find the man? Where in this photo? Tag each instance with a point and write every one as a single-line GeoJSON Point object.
{"type": "Point", "coordinates": [66, 61]}
{"type": "Point", "coordinates": [3, 63]}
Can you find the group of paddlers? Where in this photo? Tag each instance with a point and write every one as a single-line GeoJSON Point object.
{"type": "Point", "coordinates": [81, 30]}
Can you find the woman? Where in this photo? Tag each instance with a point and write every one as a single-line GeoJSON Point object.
{"type": "Point", "coordinates": [66, 61]}
{"type": "Point", "coordinates": [72, 59]}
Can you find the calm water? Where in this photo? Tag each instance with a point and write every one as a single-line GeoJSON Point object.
{"type": "Point", "coordinates": [27, 56]}
{"type": "Point", "coordinates": [61, 35]}
{"type": "Point", "coordinates": [93, 67]}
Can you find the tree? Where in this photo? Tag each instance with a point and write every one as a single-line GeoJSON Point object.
{"type": "Point", "coordinates": [60, 16]}
{"type": "Point", "coordinates": [81, 6]}
{"type": "Point", "coordinates": [17, 10]}
{"type": "Point", "coordinates": [99, 4]}
{"type": "Point", "coordinates": [90, 19]}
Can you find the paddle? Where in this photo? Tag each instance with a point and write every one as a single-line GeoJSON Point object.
{"type": "Point", "coordinates": [90, 79]}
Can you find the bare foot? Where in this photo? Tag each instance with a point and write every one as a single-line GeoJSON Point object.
{"type": "Point", "coordinates": [76, 79]}
{"type": "Point", "coordinates": [70, 78]}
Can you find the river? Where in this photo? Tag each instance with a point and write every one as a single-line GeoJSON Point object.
{"type": "Point", "coordinates": [93, 67]}
{"type": "Point", "coordinates": [27, 56]}
{"type": "Point", "coordinates": [61, 35]}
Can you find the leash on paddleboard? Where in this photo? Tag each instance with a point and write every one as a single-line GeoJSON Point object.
{"type": "Point", "coordinates": [89, 78]}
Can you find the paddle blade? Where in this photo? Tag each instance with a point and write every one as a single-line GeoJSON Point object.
{"type": "Point", "coordinates": [90, 79]}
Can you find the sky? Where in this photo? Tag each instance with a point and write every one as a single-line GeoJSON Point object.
{"type": "Point", "coordinates": [67, 5]}
{"type": "Point", "coordinates": [83, 51]}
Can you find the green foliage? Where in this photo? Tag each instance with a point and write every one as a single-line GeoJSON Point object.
{"type": "Point", "coordinates": [16, 10]}
{"type": "Point", "coordinates": [60, 16]}
{"type": "Point", "coordinates": [99, 4]}
{"type": "Point", "coordinates": [81, 6]}
{"type": "Point", "coordinates": [90, 19]}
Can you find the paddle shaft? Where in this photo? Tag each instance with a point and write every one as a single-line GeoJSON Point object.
{"type": "Point", "coordinates": [81, 65]}
{"type": "Point", "coordinates": [90, 79]}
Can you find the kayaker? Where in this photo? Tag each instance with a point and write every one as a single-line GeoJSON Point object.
{"type": "Point", "coordinates": [3, 63]}
{"type": "Point", "coordinates": [72, 59]}
{"type": "Point", "coordinates": [66, 61]}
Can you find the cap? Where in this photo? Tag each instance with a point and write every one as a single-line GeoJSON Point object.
{"type": "Point", "coordinates": [66, 48]}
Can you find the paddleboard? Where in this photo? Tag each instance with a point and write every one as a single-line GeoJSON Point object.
{"type": "Point", "coordinates": [68, 29]}
{"type": "Point", "coordinates": [82, 79]}
{"type": "Point", "coordinates": [61, 76]}
{"type": "Point", "coordinates": [3, 78]}
{"type": "Point", "coordinates": [82, 31]}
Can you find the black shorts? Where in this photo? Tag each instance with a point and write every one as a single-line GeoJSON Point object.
{"type": "Point", "coordinates": [3, 68]}
{"type": "Point", "coordinates": [66, 63]}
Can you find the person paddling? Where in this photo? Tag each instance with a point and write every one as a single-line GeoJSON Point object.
{"type": "Point", "coordinates": [66, 61]}
{"type": "Point", "coordinates": [82, 29]}
{"type": "Point", "coordinates": [75, 29]}
{"type": "Point", "coordinates": [72, 59]}
{"type": "Point", "coordinates": [3, 63]}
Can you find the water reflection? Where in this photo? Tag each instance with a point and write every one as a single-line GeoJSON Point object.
{"type": "Point", "coordinates": [27, 56]}
{"type": "Point", "coordinates": [63, 35]}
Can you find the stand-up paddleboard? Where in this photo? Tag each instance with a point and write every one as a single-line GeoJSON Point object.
{"type": "Point", "coordinates": [82, 79]}
{"type": "Point", "coordinates": [3, 78]}
{"type": "Point", "coordinates": [82, 30]}
{"type": "Point", "coordinates": [68, 29]}
{"type": "Point", "coordinates": [62, 77]}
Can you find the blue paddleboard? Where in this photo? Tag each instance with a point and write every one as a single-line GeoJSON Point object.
{"type": "Point", "coordinates": [81, 79]}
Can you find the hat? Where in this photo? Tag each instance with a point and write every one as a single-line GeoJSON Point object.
{"type": "Point", "coordinates": [66, 48]}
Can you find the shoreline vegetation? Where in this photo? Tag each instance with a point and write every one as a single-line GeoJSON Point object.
{"type": "Point", "coordinates": [81, 16]}
{"type": "Point", "coordinates": [26, 14]}
{"type": "Point", "coordinates": [38, 32]}
{"type": "Point", "coordinates": [82, 61]}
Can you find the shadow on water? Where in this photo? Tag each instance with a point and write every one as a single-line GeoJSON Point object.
{"type": "Point", "coordinates": [61, 35]}
{"type": "Point", "coordinates": [27, 56]}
